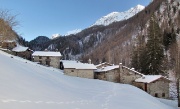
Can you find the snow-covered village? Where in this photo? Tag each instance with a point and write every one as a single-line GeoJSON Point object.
{"type": "Point", "coordinates": [127, 59]}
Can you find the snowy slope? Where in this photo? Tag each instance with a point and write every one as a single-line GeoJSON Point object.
{"type": "Point", "coordinates": [55, 36]}
{"type": "Point", "coordinates": [26, 85]}
{"type": "Point", "coordinates": [73, 32]}
{"type": "Point", "coordinates": [118, 16]}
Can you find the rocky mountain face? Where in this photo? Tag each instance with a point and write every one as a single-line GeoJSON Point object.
{"type": "Point", "coordinates": [114, 41]}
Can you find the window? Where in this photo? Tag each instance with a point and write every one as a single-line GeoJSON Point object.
{"type": "Point", "coordinates": [48, 63]}
{"type": "Point", "coordinates": [72, 70]}
{"type": "Point", "coordinates": [40, 57]}
{"type": "Point", "coordinates": [163, 94]}
{"type": "Point", "coordinates": [156, 94]}
{"type": "Point", "coordinates": [47, 57]}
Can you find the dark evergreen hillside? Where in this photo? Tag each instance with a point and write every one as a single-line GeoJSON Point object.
{"type": "Point", "coordinates": [39, 43]}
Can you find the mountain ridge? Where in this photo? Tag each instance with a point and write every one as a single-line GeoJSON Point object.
{"type": "Point", "coordinates": [112, 17]}
{"type": "Point", "coordinates": [118, 16]}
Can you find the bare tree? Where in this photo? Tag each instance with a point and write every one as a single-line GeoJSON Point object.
{"type": "Point", "coordinates": [9, 18]}
{"type": "Point", "coordinates": [7, 24]}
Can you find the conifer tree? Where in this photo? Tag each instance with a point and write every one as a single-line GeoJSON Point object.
{"type": "Point", "coordinates": [154, 49]}
{"type": "Point", "coordinates": [135, 59]}
{"type": "Point", "coordinates": [138, 53]}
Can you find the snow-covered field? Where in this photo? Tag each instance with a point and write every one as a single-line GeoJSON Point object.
{"type": "Point", "coordinates": [27, 85]}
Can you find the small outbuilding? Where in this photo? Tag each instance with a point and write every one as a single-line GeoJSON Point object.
{"type": "Point", "coordinates": [8, 44]}
{"type": "Point", "coordinates": [23, 52]}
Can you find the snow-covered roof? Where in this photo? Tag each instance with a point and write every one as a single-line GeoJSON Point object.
{"type": "Point", "coordinates": [70, 61]}
{"type": "Point", "coordinates": [150, 78]}
{"type": "Point", "coordinates": [19, 48]}
{"type": "Point", "coordinates": [46, 53]}
{"type": "Point", "coordinates": [78, 65]}
{"type": "Point", "coordinates": [103, 64]}
{"type": "Point", "coordinates": [108, 68]}
{"type": "Point", "coordinates": [132, 69]}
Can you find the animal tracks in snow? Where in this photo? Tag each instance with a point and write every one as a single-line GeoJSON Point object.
{"type": "Point", "coordinates": [108, 98]}
{"type": "Point", "coordinates": [83, 102]}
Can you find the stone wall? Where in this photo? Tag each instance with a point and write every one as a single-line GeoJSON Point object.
{"type": "Point", "coordinates": [128, 76]}
{"type": "Point", "coordinates": [54, 61]}
{"type": "Point", "coordinates": [83, 73]}
{"type": "Point", "coordinates": [112, 75]}
{"type": "Point", "coordinates": [159, 88]}
{"type": "Point", "coordinates": [121, 74]}
{"type": "Point", "coordinates": [25, 54]}
{"type": "Point", "coordinates": [70, 72]}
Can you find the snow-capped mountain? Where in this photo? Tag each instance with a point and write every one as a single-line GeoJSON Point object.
{"type": "Point", "coordinates": [73, 32]}
{"type": "Point", "coordinates": [55, 36]}
{"type": "Point", "coordinates": [118, 16]}
{"type": "Point", "coordinates": [108, 19]}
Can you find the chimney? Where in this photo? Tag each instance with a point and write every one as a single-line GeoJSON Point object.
{"type": "Point", "coordinates": [120, 67]}
{"type": "Point", "coordinates": [89, 61]}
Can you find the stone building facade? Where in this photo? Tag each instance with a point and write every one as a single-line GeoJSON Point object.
{"type": "Point", "coordinates": [155, 85]}
{"type": "Point", "coordinates": [23, 52]}
{"type": "Point", "coordinates": [78, 69]}
{"type": "Point", "coordinates": [127, 75]}
{"type": "Point", "coordinates": [117, 73]}
{"type": "Point", "coordinates": [8, 44]}
{"type": "Point", "coordinates": [108, 73]}
{"type": "Point", "coordinates": [47, 58]}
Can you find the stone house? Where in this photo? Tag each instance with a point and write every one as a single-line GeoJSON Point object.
{"type": "Point", "coordinates": [117, 73]}
{"type": "Point", "coordinates": [155, 85]}
{"type": "Point", "coordinates": [78, 69]}
{"type": "Point", "coordinates": [128, 75]}
{"type": "Point", "coordinates": [108, 73]}
{"type": "Point", "coordinates": [7, 44]}
{"type": "Point", "coordinates": [48, 58]}
{"type": "Point", "coordinates": [23, 52]}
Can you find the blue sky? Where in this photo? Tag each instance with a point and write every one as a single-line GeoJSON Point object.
{"type": "Point", "coordinates": [47, 17]}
